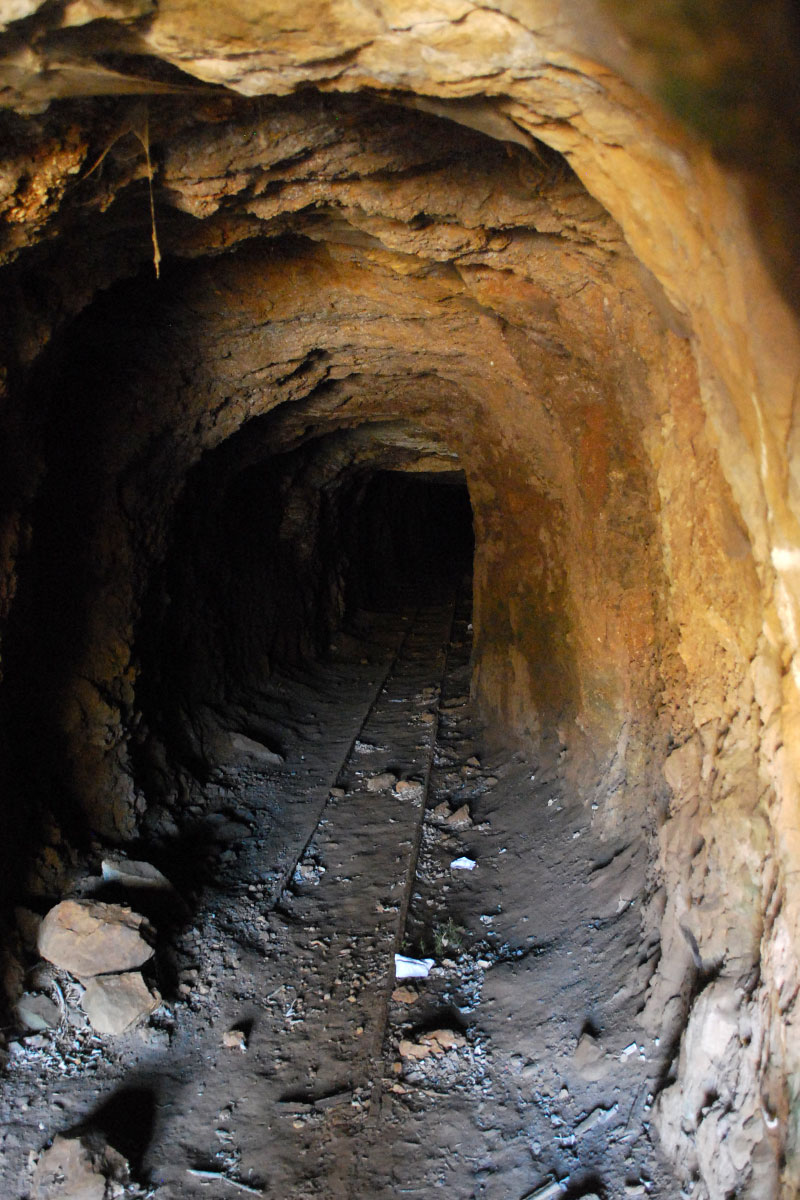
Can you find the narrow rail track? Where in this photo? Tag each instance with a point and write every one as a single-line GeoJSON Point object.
{"type": "Point", "coordinates": [341, 914]}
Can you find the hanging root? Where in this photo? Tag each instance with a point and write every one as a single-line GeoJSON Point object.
{"type": "Point", "coordinates": [143, 135]}
{"type": "Point", "coordinates": [139, 126]}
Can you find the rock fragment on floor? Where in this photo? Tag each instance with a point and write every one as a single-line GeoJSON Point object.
{"type": "Point", "coordinates": [590, 1059]}
{"type": "Point", "coordinates": [134, 875]}
{"type": "Point", "coordinates": [37, 1011]}
{"type": "Point", "coordinates": [235, 1039]}
{"type": "Point", "coordinates": [88, 938]}
{"type": "Point", "coordinates": [116, 1003]}
{"type": "Point", "coordinates": [82, 1168]}
{"type": "Point", "coordinates": [381, 783]}
{"type": "Point", "coordinates": [408, 789]}
{"type": "Point", "coordinates": [460, 819]}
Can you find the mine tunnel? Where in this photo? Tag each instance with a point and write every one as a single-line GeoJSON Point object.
{"type": "Point", "coordinates": [398, 602]}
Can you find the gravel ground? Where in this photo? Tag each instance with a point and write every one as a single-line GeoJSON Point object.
{"type": "Point", "coordinates": [285, 1059]}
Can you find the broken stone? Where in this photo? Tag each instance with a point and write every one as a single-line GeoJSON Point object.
{"type": "Point", "coordinates": [88, 938]}
{"type": "Point", "coordinates": [37, 1011]}
{"type": "Point", "coordinates": [594, 1118]}
{"type": "Point", "coordinates": [591, 1061]}
{"type": "Point", "coordinates": [413, 1050]}
{"type": "Point", "coordinates": [116, 1003]}
{"type": "Point", "coordinates": [441, 813]}
{"type": "Point", "coordinates": [134, 874]}
{"type": "Point", "coordinates": [234, 1039]}
{"type": "Point", "coordinates": [441, 1040]}
{"type": "Point", "coordinates": [548, 1191]}
{"type": "Point", "coordinates": [82, 1168]}
{"type": "Point", "coordinates": [308, 872]}
{"type": "Point", "coordinates": [229, 748]}
{"type": "Point", "coordinates": [381, 783]}
{"type": "Point", "coordinates": [404, 995]}
{"type": "Point", "coordinates": [408, 789]}
{"type": "Point", "coordinates": [460, 819]}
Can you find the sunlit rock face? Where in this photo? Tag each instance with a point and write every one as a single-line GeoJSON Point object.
{"type": "Point", "coordinates": [255, 255]}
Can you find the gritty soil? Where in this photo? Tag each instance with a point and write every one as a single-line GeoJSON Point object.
{"type": "Point", "coordinates": [286, 1059]}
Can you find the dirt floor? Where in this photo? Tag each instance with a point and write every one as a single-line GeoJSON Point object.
{"type": "Point", "coordinates": [286, 1059]}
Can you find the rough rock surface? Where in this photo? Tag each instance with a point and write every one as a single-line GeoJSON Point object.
{"type": "Point", "coordinates": [79, 1169]}
{"type": "Point", "coordinates": [116, 1003]}
{"type": "Point", "coordinates": [88, 938]}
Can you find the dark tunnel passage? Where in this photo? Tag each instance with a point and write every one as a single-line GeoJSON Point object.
{"type": "Point", "coordinates": [268, 564]}
{"type": "Point", "coordinates": [219, 566]}
{"type": "Point", "coordinates": [413, 541]}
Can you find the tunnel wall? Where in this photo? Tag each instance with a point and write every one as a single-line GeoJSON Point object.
{"type": "Point", "coordinates": [628, 433]}
{"type": "Point", "coordinates": [535, 663]}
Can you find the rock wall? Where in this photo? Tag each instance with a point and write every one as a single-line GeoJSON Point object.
{"type": "Point", "coordinates": [457, 236]}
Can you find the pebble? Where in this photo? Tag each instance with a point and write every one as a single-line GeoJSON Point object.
{"type": "Point", "coordinates": [381, 783]}
{"type": "Point", "coordinates": [404, 995]}
{"type": "Point", "coordinates": [234, 1039]}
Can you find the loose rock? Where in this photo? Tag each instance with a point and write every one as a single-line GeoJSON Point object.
{"type": "Point", "coordinates": [87, 938]}
{"type": "Point", "coordinates": [134, 874]}
{"type": "Point", "coordinates": [234, 1039]}
{"type": "Point", "coordinates": [116, 1003]}
{"type": "Point", "coordinates": [34, 1010]}
{"type": "Point", "coordinates": [79, 1169]}
{"type": "Point", "coordinates": [460, 819]}
{"type": "Point", "coordinates": [381, 783]}
{"type": "Point", "coordinates": [404, 995]}
{"type": "Point", "coordinates": [590, 1059]}
{"type": "Point", "coordinates": [408, 789]}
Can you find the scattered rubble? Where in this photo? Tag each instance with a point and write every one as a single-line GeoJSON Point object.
{"type": "Point", "coordinates": [272, 923]}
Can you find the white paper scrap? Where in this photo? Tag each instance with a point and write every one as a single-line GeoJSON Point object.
{"type": "Point", "coordinates": [463, 864]}
{"type": "Point", "coordinates": [412, 968]}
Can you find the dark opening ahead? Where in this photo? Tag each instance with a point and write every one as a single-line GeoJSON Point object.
{"type": "Point", "coordinates": [412, 540]}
